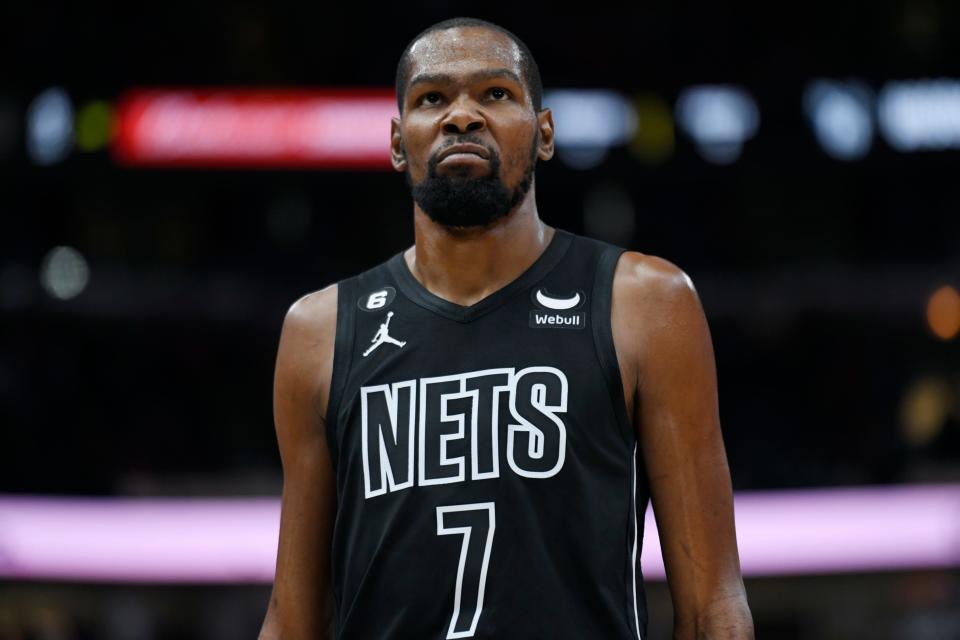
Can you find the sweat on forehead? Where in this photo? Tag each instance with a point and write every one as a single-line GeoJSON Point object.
{"type": "Point", "coordinates": [441, 46]}
{"type": "Point", "coordinates": [450, 45]}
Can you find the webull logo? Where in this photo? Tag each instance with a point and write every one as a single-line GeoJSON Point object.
{"type": "Point", "coordinates": [557, 320]}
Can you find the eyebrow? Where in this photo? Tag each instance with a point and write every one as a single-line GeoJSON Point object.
{"type": "Point", "coordinates": [445, 78]}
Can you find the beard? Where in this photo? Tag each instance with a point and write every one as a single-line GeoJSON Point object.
{"type": "Point", "coordinates": [461, 200]}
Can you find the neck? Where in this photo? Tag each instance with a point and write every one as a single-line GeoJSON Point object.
{"type": "Point", "coordinates": [463, 266]}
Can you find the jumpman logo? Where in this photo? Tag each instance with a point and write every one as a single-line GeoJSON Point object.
{"type": "Point", "coordinates": [382, 336]}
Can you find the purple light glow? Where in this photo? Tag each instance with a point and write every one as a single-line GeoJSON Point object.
{"type": "Point", "coordinates": [839, 530]}
{"type": "Point", "coordinates": [235, 540]}
{"type": "Point", "coordinates": [129, 540]}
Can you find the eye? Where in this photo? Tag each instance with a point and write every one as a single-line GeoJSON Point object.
{"type": "Point", "coordinates": [426, 98]}
{"type": "Point", "coordinates": [498, 91]}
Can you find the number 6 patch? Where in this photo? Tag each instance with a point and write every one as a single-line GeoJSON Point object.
{"type": "Point", "coordinates": [377, 300]}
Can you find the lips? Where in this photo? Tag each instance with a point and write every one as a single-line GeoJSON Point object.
{"type": "Point", "coordinates": [475, 149]}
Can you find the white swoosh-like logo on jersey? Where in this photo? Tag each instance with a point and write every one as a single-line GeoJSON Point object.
{"type": "Point", "coordinates": [557, 303]}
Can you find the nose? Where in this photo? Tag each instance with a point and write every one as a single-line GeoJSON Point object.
{"type": "Point", "coordinates": [462, 117]}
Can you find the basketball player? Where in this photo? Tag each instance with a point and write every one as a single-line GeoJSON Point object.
{"type": "Point", "coordinates": [470, 431]}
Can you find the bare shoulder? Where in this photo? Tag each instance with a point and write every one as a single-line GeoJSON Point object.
{"type": "Point", "coordinates": [648, 282]}
{"type": "Point", "coordinates": [655, 312]}
{"type": "Point", "coordinates": [313, 312]}
{"type": "Point", "coordinates": [305, 352]}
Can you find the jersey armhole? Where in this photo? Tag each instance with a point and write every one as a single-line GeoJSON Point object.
{"type": "Point", "coordinates": [601, 312]}
{"type": "Point", "coordinates": [342, 354]}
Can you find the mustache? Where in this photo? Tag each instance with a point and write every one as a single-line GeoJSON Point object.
{"type": "Point", "coordinates": [462, 140]}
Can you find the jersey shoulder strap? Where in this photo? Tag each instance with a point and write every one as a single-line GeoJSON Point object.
{"type": "Point", "coordinates": [342, 353]}
{"type": "Point", "coordinates": [602, 312]}
{"type": "Point", "coordinates": [377, 286]}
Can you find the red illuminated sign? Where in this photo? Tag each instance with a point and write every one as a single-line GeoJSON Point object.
{"type": "Point", "coordinates": [347, 129]}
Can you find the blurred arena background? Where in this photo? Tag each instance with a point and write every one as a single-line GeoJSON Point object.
{"type": "Point", "coordinates": [173, 179]}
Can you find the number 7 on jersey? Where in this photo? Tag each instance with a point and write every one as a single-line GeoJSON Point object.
{"type": "Point", "coordinates": [466, 520]}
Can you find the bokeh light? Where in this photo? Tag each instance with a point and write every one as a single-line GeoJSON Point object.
{"type": "Point", "coordinates": [654, 140]}
{"type": "Point", "coordinates": [841, 114]}
{"type": "Point", "coordinates": [943, 312]}
{"type": "Point", "coordinates": [64, 273]}
{"type": "Point", "coordinates": [924, 410]}
{"type": "Point", "coordinates": [719, 119]}
{"type": "Point", "coordinates": [50, 126]}
{"type": "Point", "coordinates": [921, 114]}
{"type": "Point", "coordinates": [94, 125]}
{"type": "Point", "coordinates": [588, 123]}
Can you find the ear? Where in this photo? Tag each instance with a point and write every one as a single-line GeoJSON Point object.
{"type": "Point", "coordinates": [545, 124]}
{"type": "Point", "coordinates": [398, 156]}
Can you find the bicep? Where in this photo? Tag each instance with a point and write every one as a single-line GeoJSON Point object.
{"type": "Point", "coordinates": [678, 427]}
{"type": "Point", "coordinates": [300, 604]}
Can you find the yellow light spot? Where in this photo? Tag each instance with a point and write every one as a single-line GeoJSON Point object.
{"type": "Point", "coordinates": [94, 126]}
{"type": "Point", "coordinates": [943, 312]}
{"type": "Point", "coordinates": [654, 138]}
{"type": "Point", "coordinates": [924, 410]}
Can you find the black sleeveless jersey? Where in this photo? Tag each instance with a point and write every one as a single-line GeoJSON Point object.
{"type": "Point", "coordinates": [488, 483]}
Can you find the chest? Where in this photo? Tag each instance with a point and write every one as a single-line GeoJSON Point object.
{"type": "Point", "coordinates": [431, 401]}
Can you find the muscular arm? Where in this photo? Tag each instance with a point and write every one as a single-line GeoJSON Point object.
{"type": "Point", "coordinates": [301, 604]}
{"type": "Point", "coordinates": [669, 375]}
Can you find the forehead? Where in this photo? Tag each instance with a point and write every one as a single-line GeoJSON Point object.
{"type": "Point", "coordinates": [462, 50]}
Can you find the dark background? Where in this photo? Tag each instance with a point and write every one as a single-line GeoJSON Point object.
{"type": "Point", "coordinates": [814, 273]}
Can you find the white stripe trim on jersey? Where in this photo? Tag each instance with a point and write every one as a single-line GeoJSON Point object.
{"type": "Point", "coordinates": [633, 564]}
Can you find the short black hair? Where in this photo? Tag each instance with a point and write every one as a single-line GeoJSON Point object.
{"type": "Point", "coordinates": [528, 66]}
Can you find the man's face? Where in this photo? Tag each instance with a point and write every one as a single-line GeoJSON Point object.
{"type": "Point", "coordinates": [465, 87]}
